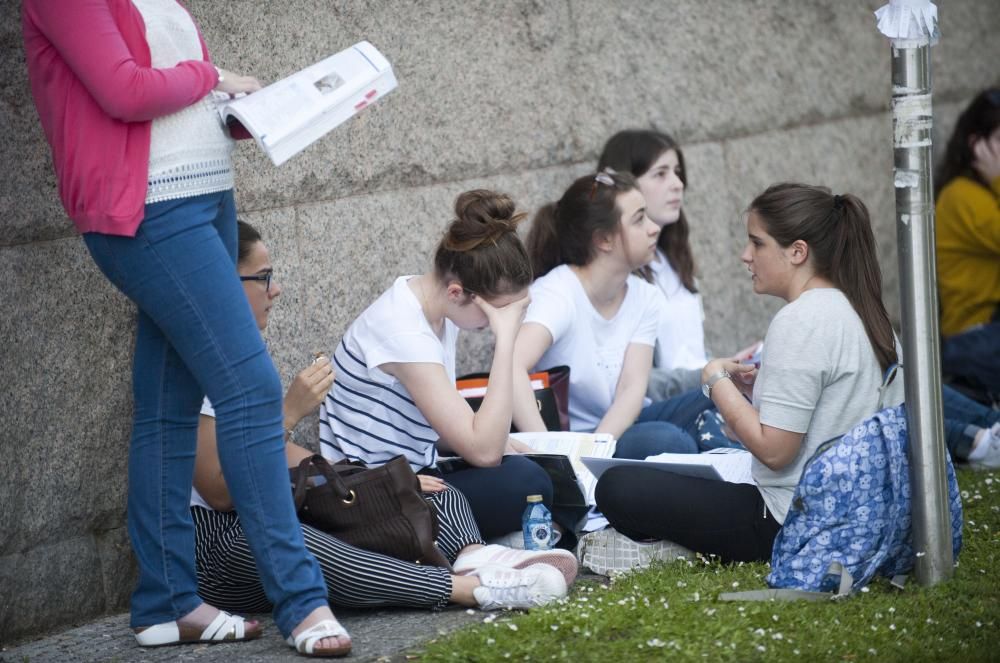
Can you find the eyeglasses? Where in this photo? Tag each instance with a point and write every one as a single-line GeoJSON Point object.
{"type": "Point", "coordinates": [603, 177]}
{"type": "Point", "coordinates": [265, 277]}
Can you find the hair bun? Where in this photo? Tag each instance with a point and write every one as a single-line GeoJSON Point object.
{"type": "Point", "coordinates": [481, 216]}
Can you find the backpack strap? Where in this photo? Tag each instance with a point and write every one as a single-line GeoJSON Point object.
{"type": "Point", "coordinates": [887, 378]}
{"type": "Point", "coordinates": [835, 568]}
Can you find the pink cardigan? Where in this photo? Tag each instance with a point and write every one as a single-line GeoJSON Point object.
{"type": "Point", "coordinates": [96, 95]}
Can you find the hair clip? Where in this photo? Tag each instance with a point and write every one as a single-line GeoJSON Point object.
{"type": "Point", "coordinates": [603, 177]}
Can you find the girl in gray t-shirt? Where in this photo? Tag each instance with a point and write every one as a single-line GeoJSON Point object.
{"type": "Point", "coordinates": [824, 357]}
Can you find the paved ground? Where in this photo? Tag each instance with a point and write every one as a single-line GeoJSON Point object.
{"type": "Point", "coordinates": [378, 635]}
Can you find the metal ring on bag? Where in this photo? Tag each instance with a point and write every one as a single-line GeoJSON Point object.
{"type": "Point", "coordinates": [538, 402]}
{"type": "Point", "coordinates": [350, 500]}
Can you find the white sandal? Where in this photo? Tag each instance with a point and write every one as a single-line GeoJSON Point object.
{"type": "Point", "coordinates": [305, 642]}
{"type": "Point", "coordinates": [224, 628]}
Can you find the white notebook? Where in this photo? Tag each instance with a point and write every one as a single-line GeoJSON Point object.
{"type": "Point", "coordinates": [732, 465]}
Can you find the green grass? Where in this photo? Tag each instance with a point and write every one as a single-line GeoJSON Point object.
{"type": "Point", "coordinates": [671, 611]}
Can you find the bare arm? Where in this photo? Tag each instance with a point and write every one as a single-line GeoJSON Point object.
{"type": "Point", "coordinates": [532, 342]}
{"type": "Point", "coordinates": [774, 447]}
{"type": "Point", "coordinates": [478, 437]}
{"type": "Point", "coordinates": [304, 395]}
{"type": "Point", "coordinates": [630, 390]}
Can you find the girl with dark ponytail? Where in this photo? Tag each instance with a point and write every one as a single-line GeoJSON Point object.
{"type": "Point", "coordinates": [591, 312]}
{"type": "Point", "coordinates": [395, 390]}
{"type": "Point", "coordinates": [822, 365]}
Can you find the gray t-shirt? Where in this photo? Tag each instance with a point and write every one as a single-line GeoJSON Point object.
{"type": "Point", "coordinates": [818, 376]}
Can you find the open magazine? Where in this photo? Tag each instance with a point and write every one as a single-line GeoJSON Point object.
{"type": "Point", "coordinates": [291, 114]}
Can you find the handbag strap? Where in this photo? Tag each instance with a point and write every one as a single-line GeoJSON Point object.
{"type": "Point", "coordinates": [323, 467]}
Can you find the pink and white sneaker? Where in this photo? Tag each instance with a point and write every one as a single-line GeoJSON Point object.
{"type": "Point", "coordinates": [494, 555]}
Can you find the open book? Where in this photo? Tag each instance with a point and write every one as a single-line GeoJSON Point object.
{"type": "Point", "coordinates": [732, 465]}
{"type": "Point", "coordinates": [291, 114]}
{"type": "Point", "coordinates": [575, 446]}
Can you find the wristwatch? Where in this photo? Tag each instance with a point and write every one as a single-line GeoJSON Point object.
{"type": "Point", "coordinates": [712, 379]}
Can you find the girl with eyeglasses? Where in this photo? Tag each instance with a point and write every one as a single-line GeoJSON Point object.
{"type": "Point", "coordinates": [968, 248]}
{"type": "Point", "coordinates": [354, 578]}
{"type": "Point", "coordinates": [591, 312]}
{"type": "Point", "coordinates": [395, 391]}
{"type": "Point", "coordinates": [125, 93]}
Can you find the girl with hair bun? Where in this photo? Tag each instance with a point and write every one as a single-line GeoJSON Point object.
{"type": "Point", "coordinates": [395, 391]}
{"type": "Point", "coordinates": [591, 312]}
{"type": "Point", "coordinates": [823, 361]}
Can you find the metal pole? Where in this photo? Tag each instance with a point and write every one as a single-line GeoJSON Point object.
{"type": "Point", "coordinates": [911, 120]}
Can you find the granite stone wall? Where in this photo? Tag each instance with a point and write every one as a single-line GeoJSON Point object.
{"type": "Point", "coordinates": [517, 96]}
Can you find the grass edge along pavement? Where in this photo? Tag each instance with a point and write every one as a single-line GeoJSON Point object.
{"type": "Point", "coordinates": [671, 611]}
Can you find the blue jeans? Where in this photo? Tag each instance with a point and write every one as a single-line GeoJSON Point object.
{"type": "Point", "coordinates": [975, 355]}
{"type": "Point", "coordinates": [196, 335]}
{"type": "Point", "coordinates": [672, 426]}
{"type": "Point", "coordinates": [963, 417]}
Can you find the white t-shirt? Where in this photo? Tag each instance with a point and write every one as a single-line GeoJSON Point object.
{"type": "Point", "coordinates": [593, 347]}
{"type": "Point", "coordinates": [818, 376]}
{"type": "Point", "coordinates": [368, 414]}
{"type": "Point", "coordinates": [680, 339]}
{"type": "Point", "coordinates": [196, 498]}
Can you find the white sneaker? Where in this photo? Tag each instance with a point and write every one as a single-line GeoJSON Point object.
{"type": "Point", "coordinates": [608, 552]}
{"type": "Point", "coordinates": [516, 539]}
{"type": "Point", "coordinates": [493, 555]}
{"type": "Point", "coordinates": [991, 460]}
{"type": "Point", "coordinates": [503, 587]}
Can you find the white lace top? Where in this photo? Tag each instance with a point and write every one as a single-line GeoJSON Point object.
{"type": "Point", "coordinates": [190, 152]}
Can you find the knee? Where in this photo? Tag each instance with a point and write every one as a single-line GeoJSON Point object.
{"type": "Point", "coordinates": [611, 490]}
{"type": "Point", "coordinates": [528, 476]}
{"type": "Point", "coordinates": [652, 438]}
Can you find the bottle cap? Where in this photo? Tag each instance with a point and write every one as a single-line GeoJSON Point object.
{"type": "Point", "coordinates": [534, 498]}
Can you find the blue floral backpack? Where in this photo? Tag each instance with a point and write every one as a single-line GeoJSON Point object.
{"type": "Point", "coordinates": [850, 516]}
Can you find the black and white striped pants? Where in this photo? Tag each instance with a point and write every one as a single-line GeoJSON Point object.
{"type": "Point", "coordinates": [355, 578]}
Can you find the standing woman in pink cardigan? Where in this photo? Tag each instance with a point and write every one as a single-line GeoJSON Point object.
{"type": "Point", "coordinates": [124, 91]}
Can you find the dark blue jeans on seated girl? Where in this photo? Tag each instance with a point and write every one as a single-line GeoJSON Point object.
{"type": "Point", "coordinates": [682, 424]}
{"type": "Point", "coordinates": [196, 335]}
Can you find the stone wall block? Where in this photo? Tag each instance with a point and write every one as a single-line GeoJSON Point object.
{"type": "Point", "coordinates": [50, 586]}
{"type": "Point", "coordinates": [67, 340]}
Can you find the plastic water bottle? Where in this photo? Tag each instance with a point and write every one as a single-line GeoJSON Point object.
{"type": "Point", "coordinates": [537, 525]}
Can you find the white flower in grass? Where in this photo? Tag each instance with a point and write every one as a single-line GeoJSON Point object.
{"type": "Point", "coordinates": [655, 642]}
{"type": "Point", "coordinates": [736, 583]}
{"type": "Point", "coordinates": [758, 632]}
{"type": "Point", "coordinates": [873, 651]}
{"type": "Point", "coordinates": [761, 648]}
{"type": "Point", "coordinates": [490, 641]}
{"type": "Point", "coordinates": [554, 627]}
{"type": "Point", "coordinates": [777, 636]}
{"type": "Point", "coordinates": [512, 627]}
{"type": "Point", "coordinates": [774, 618]}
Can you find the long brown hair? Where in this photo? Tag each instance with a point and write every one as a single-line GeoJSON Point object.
{"type": "Point", "coordinates": [481, 247]}
{"type": "Point", "coordinates": [563, 232]}
{"type": "Point", "coordinates": [841, 243]}
{"type": "Point", "coordinates": [635, 151]}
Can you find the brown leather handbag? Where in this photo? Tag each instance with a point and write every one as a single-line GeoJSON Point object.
{"type": "Point", "coordinates": [381, 509]}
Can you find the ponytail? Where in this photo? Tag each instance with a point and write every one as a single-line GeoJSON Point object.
{"type": "Point", "coordinates": [563, 232]}
{"type": "Point", "coordinates": [481, 247]}
{"type": "Point", "coordinates": [841, 243]}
